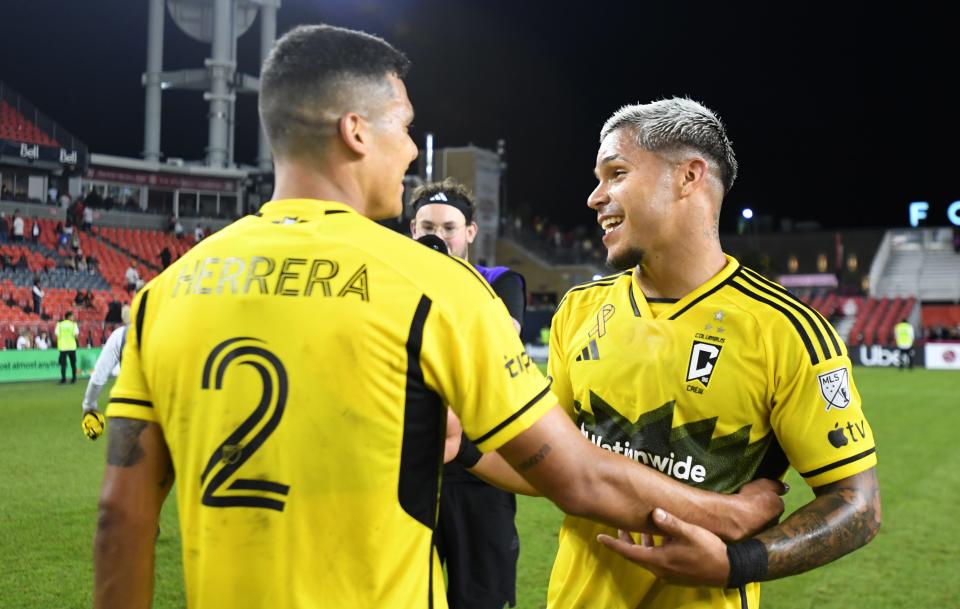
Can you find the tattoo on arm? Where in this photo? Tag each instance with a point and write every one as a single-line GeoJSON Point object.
{"type": "Point", "coordinates": [536, 458]}
{"type": "Point", "coordinates": [843, 517]}
{"type": "Point", "coordinates": [123, 445]}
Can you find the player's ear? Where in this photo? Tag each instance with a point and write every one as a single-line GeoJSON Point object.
{"type": "Point", "coordinates": [413, 228]}
{"type": "Point", "coordinates": [691, 175]}
{"type": "Point", "coordinates": [471, 232]}
{"type": "Point", "coordinates": [352, 131]}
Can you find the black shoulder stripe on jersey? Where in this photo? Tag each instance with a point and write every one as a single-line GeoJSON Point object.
{"type": "Point", "coordinates": [814, 360]}
{"type": "Point", "coordinates": [141, 312]}
{"type": "Point", "coordinates": [790, 303]}
{"type": "Point", "coordinates": [705, 294]}
{"type": "Point", "coordinates": [424, 427]}
{"type": "Point", "coordinates": [827, 327]}
{"type": "Point", "coordinates": [633, 301]}
{"type": "Point", "coordinates": [603, 281]}
{"type": "Point", "coordinates": [839, 463]}
{"type": "Point", "coordinates": [477, 275]}
{"type": "Point", "coordinates": [146, 403]}
{"type": "Point", "coordinates": [513, 417]}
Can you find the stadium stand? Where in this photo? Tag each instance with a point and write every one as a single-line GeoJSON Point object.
{"type": "Point", "coordinates": [919, 263]}
{"type": "Point", "coordinates": [17, 127]}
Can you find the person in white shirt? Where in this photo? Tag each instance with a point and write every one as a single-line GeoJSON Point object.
{"type": "Point", "coordinates": [23, 342]}
{"type": "Point", "coordinates": [133, 277]}
{"type": "Point", "coordinates": [87, 218]}
{"type": "Point", "coordinates": [17, 226]}
{"type": "Point", "coordinates": [108, 364]}
{"type": "Point", "coordinates": [42, 341]}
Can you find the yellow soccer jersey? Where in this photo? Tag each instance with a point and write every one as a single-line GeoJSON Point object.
{"type": "Point", "coordinates": [734, 381]}
{"type": "Point", "coordinates": [298, 363]}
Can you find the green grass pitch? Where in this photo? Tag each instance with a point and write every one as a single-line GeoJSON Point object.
{"type": "Point", "coordinates": [50, 478]}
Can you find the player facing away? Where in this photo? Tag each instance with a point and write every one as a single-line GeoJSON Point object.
{"type": "Point", "coordinates": [292, 372]}
{"type": "Point", "coordinates": [705, 370]}
{"type": "Point", "coordinates": [476, 535]}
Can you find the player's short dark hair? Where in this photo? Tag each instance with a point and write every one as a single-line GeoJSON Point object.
{"type": "Point", "coordinates": [314, 74]}
{"type": "Point", "coordinates": [454, 194]}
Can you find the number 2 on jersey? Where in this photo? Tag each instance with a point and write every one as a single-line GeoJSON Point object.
{"type": "Point", "coordinates": [233, 452]}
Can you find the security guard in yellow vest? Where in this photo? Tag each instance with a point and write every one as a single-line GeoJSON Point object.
{"type": "Point", "coordinates": [67, 332]}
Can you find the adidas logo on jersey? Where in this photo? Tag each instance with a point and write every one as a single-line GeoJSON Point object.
{"type": "Point", "coordinates": [590, 352]}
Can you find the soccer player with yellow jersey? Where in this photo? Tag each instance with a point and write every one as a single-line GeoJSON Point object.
{"type": "Point", "coordinates": [292, 372]}
{"type": "Point", "coordinates": [702, 369]}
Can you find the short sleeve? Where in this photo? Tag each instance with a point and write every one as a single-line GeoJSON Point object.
{"type": "Point", "coordinates": [130, 397]}
{"type": "Point", "coordinates": [472, 354]}
{"type": "Point", "coordinates": [818, 419]}
{"type": "Point", "coordinates": [557, 366]}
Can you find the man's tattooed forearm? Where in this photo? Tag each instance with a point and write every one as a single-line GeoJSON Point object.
{"type": "Point", "coordinates": [537, 458]}
{"type": "Point", "coordinates": [843, 517]}
{"type": "Point", "coordinates": [123, 445]}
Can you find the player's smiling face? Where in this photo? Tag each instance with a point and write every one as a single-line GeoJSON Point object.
{"type": "Point", "coordinates": [633, 199]}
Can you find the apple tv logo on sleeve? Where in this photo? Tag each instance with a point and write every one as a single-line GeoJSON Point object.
{"type": "Point", "coordinates": [838, 436]}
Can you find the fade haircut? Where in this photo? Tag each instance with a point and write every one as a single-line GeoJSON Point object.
{"type": "Point", "coordinates": [316, 73]}
{"type": "Point", "coordinates": [456, 195]}
{"type": "Point", "coordinates": [672, 125]}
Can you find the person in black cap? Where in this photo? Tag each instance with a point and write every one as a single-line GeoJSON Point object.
{"type": "Point", "coordinates": [476, 535]}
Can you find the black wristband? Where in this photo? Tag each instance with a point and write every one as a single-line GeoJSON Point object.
{"type": "Point", "coordinates": [469, 454]}
{"type": "Point", "coordinates": [748, 562]}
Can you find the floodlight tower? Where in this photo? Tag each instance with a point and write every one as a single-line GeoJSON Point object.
{"type": "Point", "coordinates": [220, 23]}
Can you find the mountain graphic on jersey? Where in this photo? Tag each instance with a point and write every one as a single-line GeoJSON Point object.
{"type": "Point", "coordinates": [689, 453]}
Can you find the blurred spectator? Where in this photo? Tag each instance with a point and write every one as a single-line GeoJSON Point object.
{"type": "Point", "coordinates": [5, 192]}
{"type": "Point", "coordinates": [78, 297]}
{"type": "Point", "coordinates": [42, 341]}
{"type": "Point", "coordinates": [92, 263]}
{"type": "Point", "coordinates": [133, 277]}
{"type": "Point", "coordinates": [37, 294]}
{"type": "Point", "coordinates": [165, 257]}
{"type": "Point", "coordinates": [22, 264]}
{"type": "Point", "coordinates": [23, 341]}
{"type": "Point", "coordinates": [81, 261]}
{"type": "Point", "coordinates": [9, 334]}
{"type": "Point", "coordinates": [114, 315]}
{"type": "Point", "coordinates": [66, 235]}
{"type": "Point", "coordinates": [93, 199]}
{"type": "Point", "coordinates": [87, 218]}
{"type": "Point", "coordinates": [35, 230]}
{"type": "Point", "coordinates": [78, 209]}
{"type": "Point", "coordinates": [69, 262]}
{"type": "Point", "coordinates": [5, 262]}
{"type": "Point", "coordinates": [198, 234]}
{"type": "Point", "coordinates": [17, 227]}
{"type": "Point", "coordinates": [4, 227]}
{"type": "Point", "coordinates": [88, 299]}
{"type": "Point", "coordinates": [75, 242]}
{"type": "Point", "coordinates": [64, 201]}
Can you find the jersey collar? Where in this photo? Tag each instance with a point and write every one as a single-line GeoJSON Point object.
{"type": "Point", "coordinates": [676, 309]}
{"type": "Point", "coordinates": [301, 209]}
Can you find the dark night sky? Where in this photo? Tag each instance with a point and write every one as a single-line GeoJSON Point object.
{"type": "Point", "coordinates": [838, 114]}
